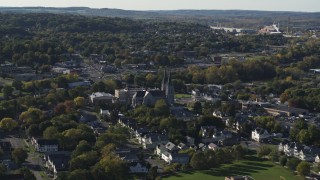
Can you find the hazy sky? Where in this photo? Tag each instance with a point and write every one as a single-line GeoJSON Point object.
{"type": "Point", "coordinates": [275, 5]}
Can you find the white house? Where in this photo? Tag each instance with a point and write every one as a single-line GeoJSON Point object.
{"type": "Point", "coordinates": [259, 134]}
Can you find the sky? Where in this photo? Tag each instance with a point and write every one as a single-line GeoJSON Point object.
{"type": "Point", "coordinates": [269, 5]}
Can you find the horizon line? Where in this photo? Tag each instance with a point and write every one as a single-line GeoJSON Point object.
{"type": "Point", "coordinates": [160, 9]}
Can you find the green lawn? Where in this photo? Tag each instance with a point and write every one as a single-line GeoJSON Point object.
{"type": "Point", "coordinates": [178, 96]}
{"type": "Point", "coordinates": [254, 167]}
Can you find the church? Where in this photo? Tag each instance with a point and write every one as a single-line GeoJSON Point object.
{"type": "Point", "coordinates": [150, 97]}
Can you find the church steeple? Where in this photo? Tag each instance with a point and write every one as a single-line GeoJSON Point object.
{"type": "Point", "coordinates": [169, 90]}
{"type": "Point", "coordinates": [163, 83]}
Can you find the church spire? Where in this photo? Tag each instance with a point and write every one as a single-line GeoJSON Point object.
{"type": "Point", "coordinates": [163, 83]}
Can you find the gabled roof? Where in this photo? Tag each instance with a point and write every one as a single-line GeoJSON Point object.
{"type": "Point", "coordinates": [60, 161]}
{"type": "Point", "coordinates": [140, 94]}
{"type": "Point", "coordinates": [170, 146]}
{"type": "Point", "coordinates": [155, 137]}
{"type": "Point", "coordinates": [157, 93]}
{"type": "Point", "coordinates": [43, 142]}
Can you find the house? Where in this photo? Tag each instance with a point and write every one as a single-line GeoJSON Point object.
{"type": "Point", "coordinates": [151, 140]}
{"type": "Point", "coordinates": [190, 140]}
{"type": "Point", "coordinates": [207, 131]}
{"type": "Point", "coordinates": [259, 134]}
{"type": "Point", "coordinates": [182, 146]}
{"type": "Point", "coordinates": [213, 146]}
{"type": "Point", "coordinates": [317, 159]}
{"type": "Point", "coordinates": [175, 158]}
{"type": "Point", "coordinates": [139, 133]}
{"type": "Point", "coordinates": [172, 147]}
{"type": "Point", "coordinates": [105, 113]}
{"type": "Point", "coordinates": [56, 162]}
{"type": "Point", "coordinates": [137, 167]}
{"type": "Point", "coordinates": [45, 145]}
{"type": "Point", "coordinates": [222, 135]}
{"type": "Point", "coordinates": [99, 98]}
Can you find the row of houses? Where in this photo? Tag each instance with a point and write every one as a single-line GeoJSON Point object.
{"type": "Point", "coordinates": [300, 151]}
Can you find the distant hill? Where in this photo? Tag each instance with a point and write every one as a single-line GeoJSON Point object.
{"type": "Point", "coordinates": [229, 18]}
{"type": "Point", "coordinates": [152, 14]}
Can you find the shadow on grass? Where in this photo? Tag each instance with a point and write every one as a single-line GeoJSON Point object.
{"type": "Point", "coordinates": [258, 164]}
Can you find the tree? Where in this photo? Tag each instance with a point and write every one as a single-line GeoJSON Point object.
{"type": "Point", "coordinates": [303, 168]}
{"type": "Point", "coordinates": [7, 91]}
{"type": "Point", "coordinates": [79, 174]}
{"type": "Point", "coordinates": [8, 124]}
{"type": "Point", "coordinates": [79, 101]}
{"type": "Point", "coordinates": [3, 170]}
{"type": "Point", "coordinates": [263, 151]}
{"type": "Point", "coordinates": [153, 172]}
{"type": "Point", "coordinates": [274, 155]}
{"type": "Point", "coordinates": [19, 155]}
{"type": "Point", "coordinates": [292, 163]}
{"type": "Point", "coordinates": [31, 116]}
{"type": "Point", "coordinates": [303, 136]}
{"type": "Point", "coordinates": [198, 161]}
{"type": "Point", "coordinates": [161, 108]}
{"type": "Point", "coordinates": [17, 84]}
{"type": "Point", "coordinates": [51, 133]}
{"type": "Point", "coordinates": [197, 108]}
{"type": "Point", "coordinates": [283, 160]}
{"type": "Point", "coordinates": [27, 174]}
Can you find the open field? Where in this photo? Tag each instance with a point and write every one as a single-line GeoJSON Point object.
{"type": "Point", "coordinates": [252, 166]}
{"type": "Point", "coordinates": [179, 96]}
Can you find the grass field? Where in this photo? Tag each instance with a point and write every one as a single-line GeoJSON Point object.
{"type": "Point", "coordinates": [178, 96]}
{"type": "Point", "coordinates": [252, 166]}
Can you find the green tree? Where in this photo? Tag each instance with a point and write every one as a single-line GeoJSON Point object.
{"type": "Point", "coordinates": [161, 108]}
{"type": "Point", "coordinates": [283, 160]}
{"type": "Point", "coordinates": [79, 174]}
{"type": "Point", "coordinates": [31, 116]}
{"type": "Point", "coordinates": [17, 84]}
{"type": "Point", "coordinates": [7, 91]}
{"type": "Point", "coordinates": [51, 133]}
{"type": "Point", "coordinates": [153, 173]}
{"type": "Point", "coordinates": [8, 124]}
{"type": "Point", "coordinates": [198, 161]}
{"type": "Point", "coordinates": [292, 163]}
{"type": "Point", "coordinates": [27, 174]}
{"type": "Point", "coordinates": [274, 155]}
{"type": "Point", "coordinates": [3, 170]}
{"type": "Point", "coordinates": [303, 168]}
{"type": "Point", "coordinates": [263, 151]}
{"type": "Point", "coordinates": [19, 155]}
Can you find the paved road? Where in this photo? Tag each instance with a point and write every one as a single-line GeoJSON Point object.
{"type": "Point", "coordinates": [35, 164]}
{"type": "Point", "coordinates": [15, 141]}
{"type": "Point", "coordinates": [33, 161]}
